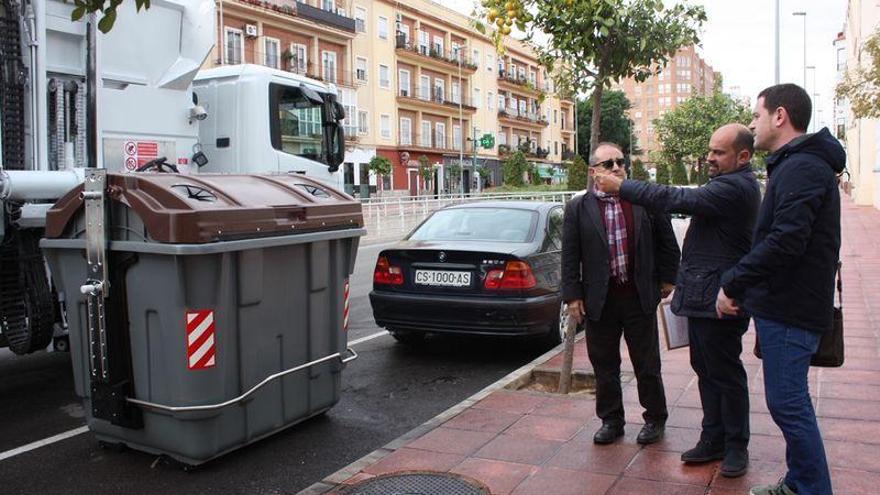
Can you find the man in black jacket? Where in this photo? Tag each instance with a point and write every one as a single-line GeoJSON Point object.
{"type": "Point", "coordinates": [720, 233]}
{"type": "Point", "coordinates": [786, 281]}
{"type": "Point", "coordinates": [615, 255]}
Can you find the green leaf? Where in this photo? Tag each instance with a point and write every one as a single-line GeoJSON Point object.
{"type": "Point", "coordinates": [106, 22]}
{"type": "Point", "coordinates": [78, 13]}
{"type": "Point", "coordinates": [603, 30]}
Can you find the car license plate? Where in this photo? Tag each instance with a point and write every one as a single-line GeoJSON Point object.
{"type": "Point", "coordinates": [443, 278]}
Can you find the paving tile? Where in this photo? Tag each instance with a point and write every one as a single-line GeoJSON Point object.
{"type": "Point", "coordinates": [511, 402]}
{"type": "Point", "coordinates": [851, 481]}
{"type": "Point", "coordinates": [850, 430]}
{"type": "Point", "coordinates": [582, 409]}
{"type": "Point", "coordinates": [846, 375]}
{"type": "Point", "coordinates": [847, 454]}
{"type": "Point", "coordinates": [548, 427]}
{"type": "Point", "coordinates": [635, 486]}
{"type": "Point", "coordinates": [565, 482]}
{"type": "Point", "coordinates": [762, 424]}
{"type": "Point", "coordinates": [849, 391]}
{"type": "Point", "coordinates": [849, 409]}
{"type": "Point", "coordinates": [685, 417]}
{"type": "Point", "coordinates": [414, 460]}
{"type": "Point", "coordinates": [501, 477]}
{"type": "Point", "coordinates": [667, 466]}
{"type": "Point", "coordinates": [488, 420]}
{"type": "Point", "coordinates": [581, 454]}
{"type": "Point", "coordinates": [760, 473]}
{"type": "Point", "coordinates": [452, 441]}
{"type": "Point", "coordinates": [677, 439]}
{"type": "Point", "coordinates": [523, 449]}
{"type": "Point", "coordinates": [358, 478]}
{"type": "Point", "coordinates": [766, 447]}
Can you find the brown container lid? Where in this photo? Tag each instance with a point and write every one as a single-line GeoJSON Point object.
{"type": "Point", "coordinates": [186, 209]}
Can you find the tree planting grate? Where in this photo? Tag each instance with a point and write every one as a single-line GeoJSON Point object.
{"type": "Point", "coordinates": [416, 484]}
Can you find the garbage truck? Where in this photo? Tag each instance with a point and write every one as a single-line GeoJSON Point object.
{"type": "Point", "coordinates": [133, 100]}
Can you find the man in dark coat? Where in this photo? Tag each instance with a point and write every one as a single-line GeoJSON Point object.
{"type": "Point", "coordinates": [615, 256]}
{"type": "Point", "coordinates": [720, 233]}
{"type": "Point", "coordinates": [787, 280]}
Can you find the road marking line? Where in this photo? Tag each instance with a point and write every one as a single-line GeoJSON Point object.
{"type": "Point", "coordinates": [82, 429]}
{"type": "Point", "coordinates": [42, 443]}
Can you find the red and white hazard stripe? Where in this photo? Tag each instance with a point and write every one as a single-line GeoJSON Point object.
{"type": "Point", "coordinates": [200, 346]}
{"type": "Point", "coordinates": [345, 307]}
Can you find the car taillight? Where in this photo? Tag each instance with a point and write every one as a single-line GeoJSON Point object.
{"type": "Point", "coordinates": [515, 275]}
{"type": "Point", "coordinates": [387, 274]}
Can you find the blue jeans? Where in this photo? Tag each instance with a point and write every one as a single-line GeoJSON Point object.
{"type": "Point", "coordinates": [786, 353]}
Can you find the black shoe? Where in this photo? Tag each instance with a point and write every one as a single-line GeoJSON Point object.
{"type": "Point", "coordinates": [608, 433]}
{"type": "Point", "coordinates": [652, 432]}
{"type": "Point", "coordinates": [735, 464]}
{"type": "Point", "coordinates": [703, 452]}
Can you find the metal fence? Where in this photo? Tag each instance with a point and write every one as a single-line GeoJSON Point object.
{"type": "Point", "coordinates": [422, 205]}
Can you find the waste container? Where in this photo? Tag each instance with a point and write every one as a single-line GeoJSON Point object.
{"type": "Point", "coordinates": [222, 317]}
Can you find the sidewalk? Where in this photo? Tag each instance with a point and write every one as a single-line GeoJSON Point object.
{"type": "Point", "coordinates": [523, 442]}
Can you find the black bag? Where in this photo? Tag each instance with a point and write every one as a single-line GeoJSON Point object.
{"type": "Point", "coordinates": [830, 352]}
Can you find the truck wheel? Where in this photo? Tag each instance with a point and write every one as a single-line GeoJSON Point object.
{"type": "Point", "coordinates": [61, 344]}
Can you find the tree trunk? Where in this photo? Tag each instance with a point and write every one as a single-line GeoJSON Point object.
{"type": "Point", "coordinates": [597, 117]}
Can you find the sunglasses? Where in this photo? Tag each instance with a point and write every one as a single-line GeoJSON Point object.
{"type": "Point", "coordinates": [609, 164]}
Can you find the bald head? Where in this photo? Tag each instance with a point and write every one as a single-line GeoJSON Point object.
{"type": "Point", "coordinates": [730, 148]}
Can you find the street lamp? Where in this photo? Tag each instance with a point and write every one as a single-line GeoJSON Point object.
{"type": "Point", "coordinates": [812, 119]}
{"type": "Point", "coordinates": [804, 15]}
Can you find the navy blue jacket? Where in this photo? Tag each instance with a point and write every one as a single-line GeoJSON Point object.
{"type": "Point", "coordinates": [720, 233]}
{"type": "Point", "coordinates": [788, 276]}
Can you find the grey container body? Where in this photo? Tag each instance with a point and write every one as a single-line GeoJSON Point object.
{"type": "Point", "coordinates": [277, 302]}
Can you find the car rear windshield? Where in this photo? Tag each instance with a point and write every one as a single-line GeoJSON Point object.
{"type": "Point", "coordinates": [478, 224]}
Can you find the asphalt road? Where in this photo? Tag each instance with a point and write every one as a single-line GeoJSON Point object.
{"type": "Point", "coordinates": [388, 391]}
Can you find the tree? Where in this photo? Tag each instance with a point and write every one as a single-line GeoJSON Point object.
{"type": "Point", "coordinates": [638, 170]}
{"type": "Point", "coordinates": [679, 174]}
{"type": "Point", "coordinates": [577, 174]}
{"type": "Point", "coordinates": [615, 125]}
{"type": "Point", "coordinates": [453, 172]}
{"type": "Point", "coordinates": [106, 7]}
{"type": "Point", "coordinates": [861, 84]}
{"type": "Point", "coordinates": [513, 167]}
{"type": "Point", "coordinates": [662, 164]}
{"type": "Point", "coordinates": [684, 132]}
{"type": "Point", "coordinates": [534, 175]}
{"type": "Point", "coordinates": [380, 166]}
{"type": "Point", "coordinates": [425, 170]}
{"type": "Point", "coordinates": [600, 41]}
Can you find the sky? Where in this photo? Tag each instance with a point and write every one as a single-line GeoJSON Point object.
{"type": "Point", "coordinates": [738, 41]}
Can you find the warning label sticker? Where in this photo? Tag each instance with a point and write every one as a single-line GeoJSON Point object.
{"type": "Point", "coordinates": [138, 153]}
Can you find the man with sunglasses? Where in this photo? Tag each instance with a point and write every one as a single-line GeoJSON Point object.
{"type": "Point", "coordinates": [615, 257]}
{"type": "Point", "coordinates": [724, 212]}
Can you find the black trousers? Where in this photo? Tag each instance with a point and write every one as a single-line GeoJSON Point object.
{"type": "Point", "coordinates": [716, 346]}
{"type": "Point", "coordinates": [624, 316]}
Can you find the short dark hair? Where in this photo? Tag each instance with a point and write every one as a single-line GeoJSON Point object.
{"type": "Point", "coordinates": [744, 140]}
{"type": "Point", "coordinates": [793, 99]}
{"type": "Point", "coordinates": [603, 143]}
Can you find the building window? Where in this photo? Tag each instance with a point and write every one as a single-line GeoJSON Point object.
{"type": "Point", "coordinates": [478, 99]}
{"type": "Point", "coordinates": [423, 42]}
{"type": "Point", "coordinates": [555, 115]}
{"type": "Point", "coordinates": [363, 119]}
{"type": "Point", "coordinates": [272, 48]}
{"type": "Point", "coordinates": [385, 125]}
{"type": "Point", "coordinates": [382, 27]}
{"type": "Point", "coordinates": [360, 19]}
{"type": "Point", "coordinates": [404, 82]}
{"type": "Point", "coordinates": [439, 90]}
{"type": "Point", "coordinates": [348, 99]}
{"type": "Point", "coordinates": [384, 77]}
{"type": "Point", "coordinates": [425, 87]}
{"type": "Point", "coordinates": [300, 60]}
{"type": "Point", "coordinates": [328, 66]}
{"type": "Point", "coordinates": [440, 131]}
{"type": "Point", "coordinates": [361, 69]}
{"type": "Point", "coordinates": [501, 102]}
{"type": "Point", "coordinates": [456, 137]}
{"type": "Point", "coordinates": [490, 62]}
{"type": "Point", "coordinates": [477, 57]}
{"type": "Point", "coordinates": [502, 138]}
{"type": "Point", "coordinates": [438, 45]}
{"type": "Point", "coordinates": [490, 100]}
{"type": "Point", "coordinates": [555, 147]}
{"type": "Point", "coordinates": [456, 92]}
{"type": "Point", "coordinates": [234, 46]}
{"type": "Point", "coordinates": [404, 30]}
{"type": "Point", "coordinates": [425, 138]}
{"type": "Point", "coordinates": [405, 131]}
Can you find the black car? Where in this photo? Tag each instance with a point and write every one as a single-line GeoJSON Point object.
{"type": "Point", "coordinates": [488, 268]}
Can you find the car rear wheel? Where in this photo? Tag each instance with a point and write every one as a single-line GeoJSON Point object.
{"type": "Point", "coordinates": [556, 334]}
{"type": "Point", "coordinates": [408, 338]}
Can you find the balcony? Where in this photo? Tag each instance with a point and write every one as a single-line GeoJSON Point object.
{"type": "Point", "coordinates": [515, 117]}
{"type": "Point", "coordinates": [527, 149]}
{"type": "Point", "coordinates": [294, 8]}
{"type": "Point", "coordinates": [429, 143]}
{"type": "Point", "coordinates": [342, 78]}
{"type": "Point", "coordinates": [512, 81]}
{"type": "Point", "coordinates": [568, 155]}
{"type": "Point", "coordinates": [438, 100]}
{"type": "Point", "coordinates": [444, 60]}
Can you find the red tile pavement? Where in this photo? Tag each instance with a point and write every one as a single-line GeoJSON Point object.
{"type": "Point", "coordinates": [522, 443]}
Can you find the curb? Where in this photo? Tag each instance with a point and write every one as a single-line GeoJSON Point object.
{"type": "Point", "coordinates": [334, 480]}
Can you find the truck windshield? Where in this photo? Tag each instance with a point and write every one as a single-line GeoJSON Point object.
{"type": "Point", "coordinates": [295, 123]}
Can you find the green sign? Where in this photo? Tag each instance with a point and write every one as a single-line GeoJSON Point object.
{"type": "Point", "coordinates": [487, 141]}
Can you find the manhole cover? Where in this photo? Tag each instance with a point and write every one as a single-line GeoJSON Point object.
{"type": "Point", "coordinates": [416, 484]}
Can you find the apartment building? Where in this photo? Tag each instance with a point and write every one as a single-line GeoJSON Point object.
{"type": "Point", "coordinates": [687, 74]}
{"type": "Point", "coordinates": [861, 135]}
{"type": "Point", "coordinates": [418, 83]}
